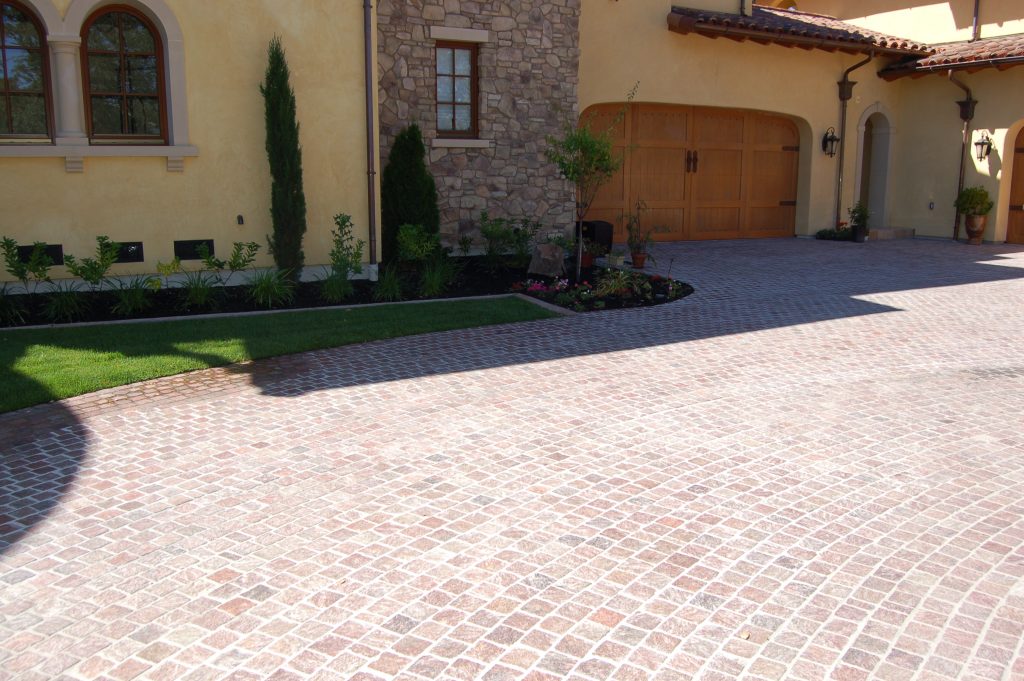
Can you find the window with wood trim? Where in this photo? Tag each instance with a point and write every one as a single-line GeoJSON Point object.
{"type": "Point", "coordinates": [123, 77]}
{"type": "Point", "coordinates": [457, 89]}
{"type": "Point", "coordinates": [24, 75]}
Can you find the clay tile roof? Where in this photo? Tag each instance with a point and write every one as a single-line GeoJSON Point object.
{"type": "Point", "coordinates": [1000, 52]}
{"type": "Point", "coordinates": [793, 28]}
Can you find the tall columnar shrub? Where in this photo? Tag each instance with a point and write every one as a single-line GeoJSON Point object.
{"type": "Point", "coordinates": [408, 191]}
{"type": "Point", "coordinates": [287, 200]}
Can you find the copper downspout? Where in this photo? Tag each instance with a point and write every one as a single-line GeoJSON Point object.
{"type": "Point", "coordinates": [845, 94]}
{"type": "Point", "coordinates": [966, 115]}
{"type": "Point", "coordinates": [371, 133]}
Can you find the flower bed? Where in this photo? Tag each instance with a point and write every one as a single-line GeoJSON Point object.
{"type": "Point", "coordinates": [606, 289]}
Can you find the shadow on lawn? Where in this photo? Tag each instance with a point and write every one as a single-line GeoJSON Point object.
{"type": "Point", "coordinates": [740, 288]}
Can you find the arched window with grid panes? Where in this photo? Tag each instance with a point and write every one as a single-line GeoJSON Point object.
{"type": "Point", "coordinates": [24, 76]}
{"type": "Point", "coordinates": [122, 61]}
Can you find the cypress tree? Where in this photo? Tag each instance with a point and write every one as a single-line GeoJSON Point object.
{"type": "Point", "coordinates": [287, 200]}
{"type": "Point", "coordinates": [408, 192]}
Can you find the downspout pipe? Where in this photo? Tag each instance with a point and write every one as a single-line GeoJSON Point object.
{"type": "Point", "coordinates": [967, 107]}
{"type": "Point", "coordinates": [845, 95]}
{"type": "Point", "coordinates": [976, 27]}
{"type": "Point", "coordinates": [371, 132]}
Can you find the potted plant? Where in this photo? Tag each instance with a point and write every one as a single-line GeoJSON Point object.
{"type": "Point", "coordinates": [637, 238]}
{"type": "Point", "coordinates": [975, 204]}
{"type": "Point", "coordinates": [859, 216]}
{"type": "Point", "coordinates": [591, 250]}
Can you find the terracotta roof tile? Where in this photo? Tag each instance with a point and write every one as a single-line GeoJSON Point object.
{"type": "Point", "coordinates": [791, 27]}
{"type": "Point", "coordinates": [998, 51]}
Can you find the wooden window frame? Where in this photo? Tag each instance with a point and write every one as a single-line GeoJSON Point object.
{"type": "Point", "coordinates": [157, 140]}
{"type": "Point", "coordinates": [44, 48]}
{"type": "Point", "coordinates": [474, 84]}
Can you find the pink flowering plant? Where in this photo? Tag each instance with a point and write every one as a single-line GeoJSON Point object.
{"type": "Point", "coordinates": [612, 288]}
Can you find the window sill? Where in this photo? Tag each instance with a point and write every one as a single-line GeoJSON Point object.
{"type": "Point", "coordinates": [461, 143]}
{"type": "Point", "coordinates": [74, 154]}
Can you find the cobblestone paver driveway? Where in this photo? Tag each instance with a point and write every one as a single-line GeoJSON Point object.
{"type": "Point", "coordinates": [813, 468]}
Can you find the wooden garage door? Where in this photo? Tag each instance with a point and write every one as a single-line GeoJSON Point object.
{"type": "Point", "coordinates": [1015, 228]}
{"type": "Point", "coordinates": [703, 173]}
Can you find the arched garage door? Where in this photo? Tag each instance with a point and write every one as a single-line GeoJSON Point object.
{"type": "Point", "coordinates": [703, 173]}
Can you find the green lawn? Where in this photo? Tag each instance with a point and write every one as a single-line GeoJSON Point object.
{"type": "Point", "coordinates": [40, 365]}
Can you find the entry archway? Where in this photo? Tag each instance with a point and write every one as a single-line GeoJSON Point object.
{"type": "Point", "coordinates": [1015, 220]}
{"type": "Point", "coordinates": [875, 133]}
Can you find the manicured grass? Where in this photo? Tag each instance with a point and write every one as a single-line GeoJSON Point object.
{"type": "Point", "coordinates": [40, 365]}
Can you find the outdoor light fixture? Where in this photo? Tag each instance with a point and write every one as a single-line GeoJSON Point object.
{"type": "Point", "coordinates": [829, 142]}
{"type": "Point", "coordinates": [983, 146]}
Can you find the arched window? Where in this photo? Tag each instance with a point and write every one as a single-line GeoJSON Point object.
{"type": "Point", "coordinates": [24, 86]}
{"type": "Point", "coordinates": [122, 60]}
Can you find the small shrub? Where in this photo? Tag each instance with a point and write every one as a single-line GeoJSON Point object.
{"type": "Point", "coordinates": [94, 270]}
{"type": "Point", "coordinates": [336, 289]}
{"type": "Point", "coordinates": [389, 286]}
{"type": "Point", "coordinates": [36, 269]}
{"type": "Point", "coordinates": [465, 245]}
{"type": "Point", "coordinates": [974, 201]}
{"type": "Point", "coordinates": [243, 254]}
{"type": "Point", "coordinates": [416, 243]}
{"type": "Point", "coordinates": [65, 303]}
{"type": "Point", "coordinates": [837, 234]}
{"type": "Point", "coordinates": [165, 270]}
{"type": "Point", "coordinates": [271, 288]}
{"type": "Point", "coordinates": [408, 191]}
{"type": "Point", "coordinates": [133, 295]}
{"type": "Point", "coordinates": [437, 276]}
{"type": "Point", "coordinates": [346, 260]}
{"type": "Point", "coordinates": [200, 293]}
{"type": "Point", "coordinates": [503, 237]}
{"type": "Point", "coordinates": [12, 310]}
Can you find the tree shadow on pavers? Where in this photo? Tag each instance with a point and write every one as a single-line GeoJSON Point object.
{"type": "Point", "coordinates": [741, 287]}
{"type": "Point", "coordinates": [42, 450]}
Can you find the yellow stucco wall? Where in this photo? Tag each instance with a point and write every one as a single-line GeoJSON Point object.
{"type": "Point", "coordinates": [927, 147]}
{"type": "Point", "coordinates": [137, 199]}
{"type": "Point", "coordinates": [930, 22]}
{"type": "Point", "coordinates": [625, 42]}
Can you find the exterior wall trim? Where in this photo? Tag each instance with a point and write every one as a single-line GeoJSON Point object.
{"type": "Point", "coordinates": [462, 35]}
{"type": "Point", "coordinates": [883, 220]}
{"type": "Point", "coordinates": [463, 143]}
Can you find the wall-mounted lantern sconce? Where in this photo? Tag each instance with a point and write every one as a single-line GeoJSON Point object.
{"type": "Point", "coordinates": [983, 146]}
{"type": "Point", "coordinates": [830, 142]}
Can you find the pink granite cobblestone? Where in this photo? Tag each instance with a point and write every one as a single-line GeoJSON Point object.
{"type": "Point", "coordinates": [811, 469]}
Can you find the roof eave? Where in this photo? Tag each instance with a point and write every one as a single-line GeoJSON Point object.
{"type": "Point", "coordinates": [684, 25]}
{"type": "Point", "coordinates": [1002, 64]}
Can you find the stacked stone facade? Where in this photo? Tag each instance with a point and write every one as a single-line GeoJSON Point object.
{"type": "Point", "coordinates": [528, 77]}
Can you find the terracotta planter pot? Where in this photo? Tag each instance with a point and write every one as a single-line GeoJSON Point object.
{"type": "Point", "coordinates": [975, 225]}
{"type": "Point", "coordinates": [638, 260]}
{"type": "Point", "coordinates": [586, 260]}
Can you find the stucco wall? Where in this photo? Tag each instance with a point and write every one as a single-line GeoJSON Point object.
{"type": "Point", "coordinates": [625, 42]}
{"type": "Point", "coordinates": [925, 20]}
{"type": "Point", "coordinates": [528, 71]}
{"type": "Point", "coordinates": [928, 149]}
{"type": "Point", "coordinates": [137, 199]}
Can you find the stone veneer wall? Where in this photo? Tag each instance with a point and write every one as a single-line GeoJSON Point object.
{"type": "Point", "coordinates": [528, 77]}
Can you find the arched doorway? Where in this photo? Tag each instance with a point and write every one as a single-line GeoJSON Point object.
{"type": "Point", "coordinates": [1015, 223]}
{"type": "Point", "coordinates": [874, 168]}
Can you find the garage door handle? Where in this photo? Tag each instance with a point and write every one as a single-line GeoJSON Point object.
{"type": "Point", "coordinates": [1020, 207]}
{"type": "Point", "coordinates": [696, 160]}
{"type": "Point", "coordinates": [689, 161]}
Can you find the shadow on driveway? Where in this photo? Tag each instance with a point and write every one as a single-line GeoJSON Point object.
{"type": "Point", "coordinates": [741, 287]}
